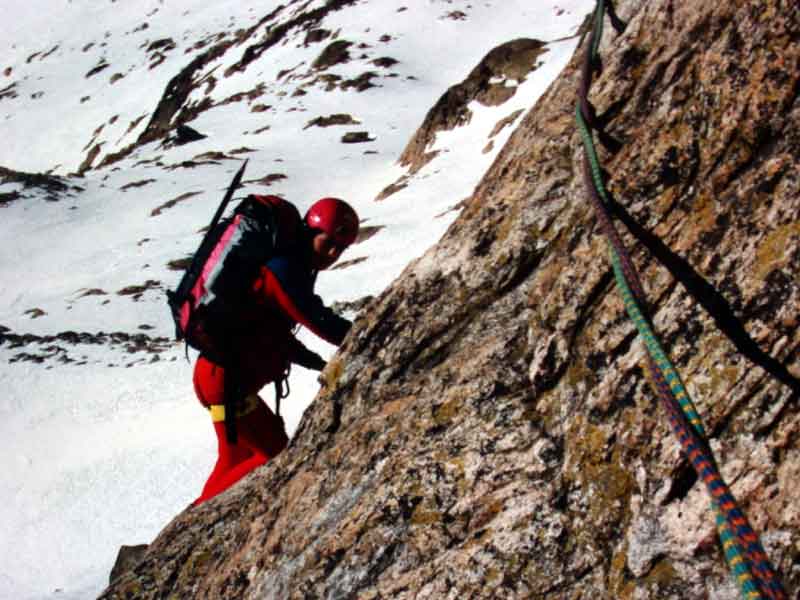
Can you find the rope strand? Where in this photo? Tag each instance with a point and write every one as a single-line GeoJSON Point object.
{"type": "Point", "coordinates": [741, 547]}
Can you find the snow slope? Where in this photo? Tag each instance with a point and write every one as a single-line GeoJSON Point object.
{"type": "Point", "coordinates": [105, 441]}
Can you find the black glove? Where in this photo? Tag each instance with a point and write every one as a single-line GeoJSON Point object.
{"type": "Point", "coordinates": [306, 358]}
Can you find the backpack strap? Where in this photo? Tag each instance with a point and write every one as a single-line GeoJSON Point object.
{"type": "Point", "coordinates": [232, 397]}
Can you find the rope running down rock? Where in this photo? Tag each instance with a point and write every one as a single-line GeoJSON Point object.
{"type": "Point", "coordinates": [743, 551]}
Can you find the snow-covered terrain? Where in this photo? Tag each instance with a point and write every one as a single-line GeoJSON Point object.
{"type": "Point", "coordinates": [104, 439]}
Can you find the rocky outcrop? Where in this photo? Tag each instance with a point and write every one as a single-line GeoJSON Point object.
{"type": "Point", "coordinates": [491, 82]}
{"type": "Point", "coordinates": [21, 185]}
{"type": "Point", "coordinates": [127, 557]}
{"type": "Point", "coordinates": [487, 431]}
{"type": "Point", "coordinates": [70, 346]}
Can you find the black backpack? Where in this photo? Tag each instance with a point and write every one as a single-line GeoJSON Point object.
{"type": "Point", "coordinates": [207, 302]}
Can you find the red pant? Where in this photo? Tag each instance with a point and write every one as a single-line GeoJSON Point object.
{"type": "Point", "coordinates": [260, 433]}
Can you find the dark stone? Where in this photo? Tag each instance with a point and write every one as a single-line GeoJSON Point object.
{"type": "Point", "coordinates": [356, 137]}
{"type": "Point", "coordinates": [185, 134]}
{"type": "Point", "coordinates": [127, 557]}
{"type": "Point", "coordinates": [333, 54]}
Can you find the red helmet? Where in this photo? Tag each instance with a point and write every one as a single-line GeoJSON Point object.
{"type": "Point", "coordinates": [334, 217]}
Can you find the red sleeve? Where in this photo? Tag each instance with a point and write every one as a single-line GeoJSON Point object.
{"type": "Point", "coordinates": [304, 308]}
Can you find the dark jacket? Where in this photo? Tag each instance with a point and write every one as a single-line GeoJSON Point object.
{"type": "Point", "coordinates": [282, 298]}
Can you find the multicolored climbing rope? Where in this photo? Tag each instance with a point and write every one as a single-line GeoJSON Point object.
{"type": "Point", "coordinates": [743, 551]}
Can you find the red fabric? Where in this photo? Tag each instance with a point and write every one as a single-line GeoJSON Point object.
{"type": "Point", "coordinates": [264, 348]}
{"type": "Point", "coordinates": [271, 292]}
{"type": "Point", "coordinates": [264, 355]}
{"type": "Point", "coordinates": [261, 435]}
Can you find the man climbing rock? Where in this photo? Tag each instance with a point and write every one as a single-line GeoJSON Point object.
{"type": "Point", "coordinates": [262, 348]}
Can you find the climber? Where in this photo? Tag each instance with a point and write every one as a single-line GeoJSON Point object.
{"type": "Point", "coordinates": [281, 297]}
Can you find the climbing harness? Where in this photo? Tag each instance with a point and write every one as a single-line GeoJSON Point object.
{"type": "Point", "coordinates": [282, 389]}
{"type": "Point", "coordinates": [743, 551]}
{"type": "Point", "coordinates": [217, 411]}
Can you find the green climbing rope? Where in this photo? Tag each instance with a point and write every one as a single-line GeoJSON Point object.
{"type": "Point", "coordinates": [741, 547]}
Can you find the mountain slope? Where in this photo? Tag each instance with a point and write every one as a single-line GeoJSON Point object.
{"type": "Point", "coordinates": [98, 412]}
{"type": "Point", "coordinates": [487, 430]}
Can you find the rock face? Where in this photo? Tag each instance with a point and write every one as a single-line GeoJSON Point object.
{"type": "Point", "coordinates": [487, 430]}
{"type": "Point", "coordinates": [127, 557]}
